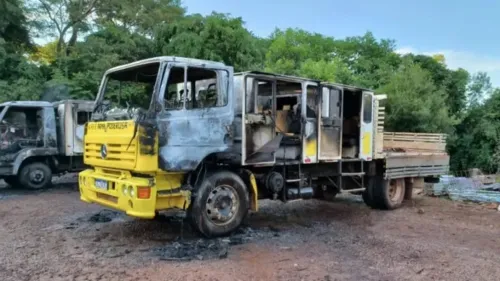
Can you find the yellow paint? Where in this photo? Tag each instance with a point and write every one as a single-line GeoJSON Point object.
{"type": "Point", "coordinates": [126, 156]}
{"type": "Point", "coordinates": [311, 149]}
{"type": "Point", "coordinates": [125, 152]}
{"type": "Point", "coordinates": [367, 144]}
{"type": "Point", "coordinates": [254, 206]}
{"type": "Point", "coordinates": [165, 193]}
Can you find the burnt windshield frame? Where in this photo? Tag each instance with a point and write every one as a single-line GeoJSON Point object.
{"type": "Point", "coordinates": [101, 97]}
{"type": "Point", "coordinates": [3, 111]}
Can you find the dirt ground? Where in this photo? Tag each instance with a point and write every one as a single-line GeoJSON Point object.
{"type": "Point", "coordinates": [52, 235]}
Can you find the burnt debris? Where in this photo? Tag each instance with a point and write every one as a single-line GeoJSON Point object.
{"type": "Point", "coordinates": [104, 216]}
{"type": "Point", "coordinates": [207, 249]}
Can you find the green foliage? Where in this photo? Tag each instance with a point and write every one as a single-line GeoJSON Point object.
{"type": "Point", "coordinates": [109, 47]}
{"type": "Point", "coordinates": [216, 37]}
{"type": "Point", "coordinates": [452, 82]}
{"type": "Point", "coordinates": [138, 16]}
{"type": "Point", "coordinates": [479, 88]}
{"type": "Point", "coordinates": [290, 48]}
{"type": "Point", "coordinates": [323, 70]}
{"type": "Point", "coordinates": [476, 143]}
{"type": "Point", "coordinates": [371, 61]}
{"type": "Point", "coordinates": [13, 24]}
{"type": "Point", "coordinates": [415, 104]}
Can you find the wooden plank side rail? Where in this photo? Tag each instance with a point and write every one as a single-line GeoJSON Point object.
{"type": "Point", "coordinates": [415, 141]}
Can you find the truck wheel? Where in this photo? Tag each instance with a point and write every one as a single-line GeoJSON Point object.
{"type": "Point", "coordinates": [35, 176]}
{"type": "Point", "coordinates": [389, 194]}
{"type": "Point", "coordinates": [219, 205]}
{"type": "Point", "coordinates": [368, 193]}
{"type": "Point", "coordinates": [12, 181]}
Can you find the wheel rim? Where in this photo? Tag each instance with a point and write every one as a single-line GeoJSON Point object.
{"type": "Point", "coordinates": [36, 176]}
{"type": "Point", "coordinates": [222, 204]}
{"type": "Point", "coordinates": [395, 190]}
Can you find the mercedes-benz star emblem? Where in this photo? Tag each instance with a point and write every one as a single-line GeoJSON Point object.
{"type": "Point", "coordinates": [104, 151]}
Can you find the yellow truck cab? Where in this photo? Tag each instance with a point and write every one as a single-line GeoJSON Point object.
{"type": "Point", "coordinates": [180, 133]}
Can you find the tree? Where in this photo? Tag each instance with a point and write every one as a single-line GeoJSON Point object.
{"type": "Point", "coordinates": [456, 88]}
{"type": "Point", "coordinates": [19, 79]}
{"type": "Point", "coordinates": [141, 16]}
{"type": "Point", "coordinates": [479, 88]}
{"type": "Point", "coordinates": [13, 25]}
{"type": "Point", "coordinates": [216, 37]}
{"type": "Point", "coordinates": [333, 70]}
{"type": "Point", "coordinates": [46, 54]}
{"type": "Point", "coordinates": [62, 17]}
{"type": "Point", "coordinates": [476, 143]}
{"type": "Point", "coordinates": [109, 47]}
{"type": "Point", "coordinates": [371, 61]}
{"type": "Point", "coordinates": [290, 48]}
{"type": "Point", "coordinates": [453, 82]}
{"type": "Point", "coordinates": [415, 104]}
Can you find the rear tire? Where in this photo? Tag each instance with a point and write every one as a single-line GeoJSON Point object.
{"type": "Point", "coordinates": [35, 176]}
{"type": "Point", "coordinates": [389, 194]}
{"type": "Point", "coordinates": [219, 205]}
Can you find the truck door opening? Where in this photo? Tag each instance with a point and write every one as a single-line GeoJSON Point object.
{"type": "Point", "coordinates": [351, 124]}
{"type": "Point", "coordinates": [330, 124]}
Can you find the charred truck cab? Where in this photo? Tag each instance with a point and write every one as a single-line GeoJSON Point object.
{"type": "Point", "coordinates": [179, 133]}
{"type": "Point", "coordinates": [39, 139]}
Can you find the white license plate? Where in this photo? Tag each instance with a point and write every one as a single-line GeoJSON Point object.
{"type": "Point", "coordinates": [101, 184]}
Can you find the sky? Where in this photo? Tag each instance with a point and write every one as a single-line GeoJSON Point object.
{"type": "Point", "coordinates": [465, 32]}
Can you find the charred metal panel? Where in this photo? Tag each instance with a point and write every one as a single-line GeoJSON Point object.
{"type": "Point", "coordinates": [60, 128]}
{"type": "Point", "coordinates": [147, 137]}
{"type": "Point", "coordinates": [187, 136]}
{"type": "Point", "coordinates": [49, 128]}
{"type": "Point", "coordinates": [185, 143]}
{"type": "Point", "coordinates": [31, 152]}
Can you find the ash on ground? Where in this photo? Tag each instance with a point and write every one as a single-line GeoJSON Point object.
{"type": "Point", "coordinates": [206, 249]}
{"type": "Point", "coordinates": [104, 216]}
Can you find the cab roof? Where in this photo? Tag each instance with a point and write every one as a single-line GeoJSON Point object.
{"type": "Point", "coordinates": [164, 59]}
{"type": "Point", "coordinates": [27, 103]}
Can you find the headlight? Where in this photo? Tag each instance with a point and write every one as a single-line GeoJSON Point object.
{"type": "Point", "coordinates": [124, 190]}
{"type": "Point", "coordinates": [131, 191]}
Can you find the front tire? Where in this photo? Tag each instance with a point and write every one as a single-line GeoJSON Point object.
{"type": "Point", "coordinates": [219, 205]}
{"type": "Point", "coordinates": [35, 176]}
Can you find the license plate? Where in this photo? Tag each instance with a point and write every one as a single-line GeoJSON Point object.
{"type": "Point", "coordinates": [101, 184]}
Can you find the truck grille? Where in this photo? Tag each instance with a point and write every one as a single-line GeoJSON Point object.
{"type": "Point", "coordinates": [119, 155]}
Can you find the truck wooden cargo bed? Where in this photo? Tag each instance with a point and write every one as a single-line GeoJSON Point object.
{"type": "Point", "coordinates": [415, 155]}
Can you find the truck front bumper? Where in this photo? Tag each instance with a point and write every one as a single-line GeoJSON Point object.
{"type": "Point", "coordinates": [126, 193]}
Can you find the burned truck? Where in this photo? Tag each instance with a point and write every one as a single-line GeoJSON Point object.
{"type": "Point", "coordinates": [211, 143]}
{"type": "Point", "coordinates": [39, 139]}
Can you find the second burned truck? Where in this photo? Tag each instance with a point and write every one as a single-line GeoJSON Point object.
{"type": "Point", "coordinates": [196, 137]}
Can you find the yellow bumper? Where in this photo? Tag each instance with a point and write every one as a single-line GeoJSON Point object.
{"type": "Point", "coordinates": [161, 197]}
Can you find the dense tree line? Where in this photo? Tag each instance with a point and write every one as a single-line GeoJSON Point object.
{"type": "Point", "coordinates": [89, 36]}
